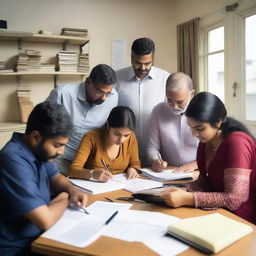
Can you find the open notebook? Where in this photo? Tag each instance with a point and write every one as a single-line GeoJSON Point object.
{"type": "Point", "coordinates": [166, 175]}
{"type": "Point", "coordinates": [210, 233]}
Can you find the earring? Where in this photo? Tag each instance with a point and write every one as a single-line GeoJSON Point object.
{"type": "Point", "coordinates": [219, 133]}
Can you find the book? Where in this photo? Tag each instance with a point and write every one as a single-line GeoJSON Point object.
{"type": "Point", "coordinates": [209, 233]}
{"type": "Point", "coordinates": [166, 175]}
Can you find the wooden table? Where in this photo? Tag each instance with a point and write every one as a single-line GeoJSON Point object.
{"type": "Point", "coordinates": [113, 247]}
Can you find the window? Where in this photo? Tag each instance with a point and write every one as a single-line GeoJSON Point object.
{"type": "Point", "coordinates": [215, 62]}
{"type": "Point", "coordinates": [250, 68]}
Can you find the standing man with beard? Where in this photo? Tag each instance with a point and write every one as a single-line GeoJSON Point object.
{"type": "Point", "coordinates": [29, 179]}
{"type": "Point", "coordinates": [170, 138]}
{"type": "Point", "coordinates": [89, 104]}
{"type": "Point", "coordinates": [141, 87]}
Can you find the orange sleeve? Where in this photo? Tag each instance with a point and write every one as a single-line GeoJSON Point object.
{"type": "Point", "coordinates": [83, 152]}
{"type": "Point", "coordinates": [134, 160]}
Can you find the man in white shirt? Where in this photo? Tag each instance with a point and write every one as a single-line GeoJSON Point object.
{"type": "Point", "coordinates": [89, 104]}
{"type": "Point", "coordinates": [170, 139]}
{"type": "Point", "coordinates": [141, 87]}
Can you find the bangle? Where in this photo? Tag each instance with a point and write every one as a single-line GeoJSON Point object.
{"type": "Point", "coordinates": [91, 175]}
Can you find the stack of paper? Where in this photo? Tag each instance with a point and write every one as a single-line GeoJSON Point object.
{"type": "Point", "coordinates": [166, 175]}
{"type": "Point", "coordinates": [119, 181]}
{"type": "Point", "coordinates": [29, 61]}
{"type": "Point", "coordinates": [82, 32]}
{"type": "Point", "coordinates": [83, 66]}
{"type": "Point", "coordinates": [67, 61]}
{"type": "Point", "coordinates": [210, 233]}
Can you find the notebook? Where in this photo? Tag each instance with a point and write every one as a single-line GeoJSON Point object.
{"type": "Point", "coordinates": [166, 175]}
{"type": "Point", "coordinates": [210, 233]}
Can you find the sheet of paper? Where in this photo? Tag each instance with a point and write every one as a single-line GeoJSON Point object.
{"type": "Point", "coordinates": [96, 187]}
{"type": "Point", "coordinates": [134, 185]}
{"type": "Point", "coordinates": [166, 175]}
{"type": "Point", "coordinates": [79, 229]}
{"type": "Point", "coordinates": [146, 227]}
{"type": "Point", "coordinates": [119, 181]}
{"type": "Point", "coordinates": [106, 209]}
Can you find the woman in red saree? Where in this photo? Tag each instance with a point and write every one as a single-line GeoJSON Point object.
{"type": "Point", "coordinates": [226, 158]}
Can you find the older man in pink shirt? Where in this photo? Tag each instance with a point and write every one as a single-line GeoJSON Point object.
{"type": "Point", "coordinates": [170, 138]}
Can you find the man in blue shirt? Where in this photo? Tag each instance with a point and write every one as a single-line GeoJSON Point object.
{"type": "Point", "coordinates": [28, 179]}
{"type": "Point", "coordinates": [89, 104]}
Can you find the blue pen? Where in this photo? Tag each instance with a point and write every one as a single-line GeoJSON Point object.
{"type": "Point", "coordinates": [111, 218]}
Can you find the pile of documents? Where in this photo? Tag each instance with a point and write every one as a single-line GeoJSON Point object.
{"type": "Point", "coordinates": [79, 229]}
{"type": "Point", "coordinates": [67, 61]}
{"type": "Point", "coordinates": [3, 69]}
{"type": "Point", "coordinates": [119, 181]}
{"type": "Point", "coordinates": [166, 175]}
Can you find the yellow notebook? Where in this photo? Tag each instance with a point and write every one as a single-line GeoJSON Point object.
{"type": "Point", "coordinates": [209, 233]}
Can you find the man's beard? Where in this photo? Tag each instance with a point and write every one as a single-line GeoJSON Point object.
{"type": "Point", "coordinates": [42, 154]}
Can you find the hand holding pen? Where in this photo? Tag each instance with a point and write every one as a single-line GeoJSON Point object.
{"type": "Point", "coordinates": [158, 165]}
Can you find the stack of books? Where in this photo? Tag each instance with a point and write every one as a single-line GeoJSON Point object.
{"type": "Point", "coordinates": [67, 61]}
{"type": "Point", "coordinates": [29, 60]}
{"type": "Point", "coordinates": [25, 104]}
{"type": "Point", "coordinates": [83, 66]}
{"type": "Point", "coordinates": [74, 32]}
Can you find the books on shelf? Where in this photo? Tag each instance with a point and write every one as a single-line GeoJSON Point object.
{"type": "Point", "coordinates": [29, 60]}
{"type": "Point", "coordinates": [14, 32]}
{"type": "Point", "coordinates": [166, 175]}
{"type": "Point", "coordinates": [209, 233]}
{"type": "Point", "coordinates": [74, 32]}
{"type": "Point", "coordinates": [67, 61]}
{"type": "Point", "coordinates": [83, 65]}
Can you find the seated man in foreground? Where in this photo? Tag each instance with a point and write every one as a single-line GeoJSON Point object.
{"type": "Point", "coordinates": [28, 177]}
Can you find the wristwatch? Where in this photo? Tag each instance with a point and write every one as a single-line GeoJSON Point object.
{"type": "Point", "coordinates": [91, 175]}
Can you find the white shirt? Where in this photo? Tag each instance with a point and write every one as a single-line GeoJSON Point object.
{"type": "Point", "coordinates": [171, 136]}
{"type": "Point", "coordinates": [85, 117]}
{"type": "Point", "coordinates": [141, 97]}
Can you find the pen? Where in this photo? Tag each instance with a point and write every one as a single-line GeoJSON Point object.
{"type": "Point", "coordinates": [159, 157]}
{"type": "Point", "coordinates": [111, 218]}
{"type": "Point", "coordinates": [108, 199]}
{"type": "Point", "coordinates": [105, 165]}
{"type": "Point", "coordinates": [85, 211]}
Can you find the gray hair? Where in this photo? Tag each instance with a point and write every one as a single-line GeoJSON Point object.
{"type": "Point", "coordinates": [178, 81]}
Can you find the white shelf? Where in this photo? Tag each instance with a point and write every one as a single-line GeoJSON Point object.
{"type": "Point", "coordinates": [43, 73]}
{"type": "Point", "coordinates": [45, 38]}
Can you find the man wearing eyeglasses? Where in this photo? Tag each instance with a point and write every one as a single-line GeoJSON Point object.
{"type": "Point", "coordinates": [89, 104]}
{"type": "Point", "coordinates": [170, 138]}
{"type": "Point", "coordinates": [141, 87]}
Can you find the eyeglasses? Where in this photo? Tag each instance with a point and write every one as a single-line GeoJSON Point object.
{"type": "Point", "coordinates": [178, 103]}
{"type": "Point", "coordinates": [101, 93]}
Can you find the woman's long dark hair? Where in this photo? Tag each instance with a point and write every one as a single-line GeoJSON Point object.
{"type": "Point", "coordinates": [121, 117]}
{"type": "Point", "coordinates": [207, 107]}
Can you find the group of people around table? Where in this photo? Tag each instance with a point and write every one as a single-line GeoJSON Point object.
{"type": "Point", "coordinates": [112, 123]}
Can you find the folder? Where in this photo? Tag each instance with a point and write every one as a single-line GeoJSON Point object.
{"type": "Point", "coordinates": [209, 233]}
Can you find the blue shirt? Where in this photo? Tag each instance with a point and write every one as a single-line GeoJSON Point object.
{"type": "Point", "coordinates": [85, 117]}
{"type": "Point", "coordinates": [24, 186]}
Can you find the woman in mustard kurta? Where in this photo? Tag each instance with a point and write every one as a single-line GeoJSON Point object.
{"type": "Point", "coordinates": [115, 144]}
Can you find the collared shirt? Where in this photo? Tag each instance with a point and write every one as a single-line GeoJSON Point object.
{"type": "Point", "coordinates": [171, 136]}
{"type": "Point", "coordinates": [141, 97]}
{"type": "Point", "coordinates": [85, 117]}
{"type": "Point", "coordinates": [24, 186]}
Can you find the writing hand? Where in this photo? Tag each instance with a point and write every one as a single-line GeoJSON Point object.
{"type": "Point", "coordinates": [132, 173]}
{"type": "Point", "coordinates": [102, 175]}
{"type": "Point", "coordinates": [78, 198]}
{"type": "Point", "coordinates": [158, 165]}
